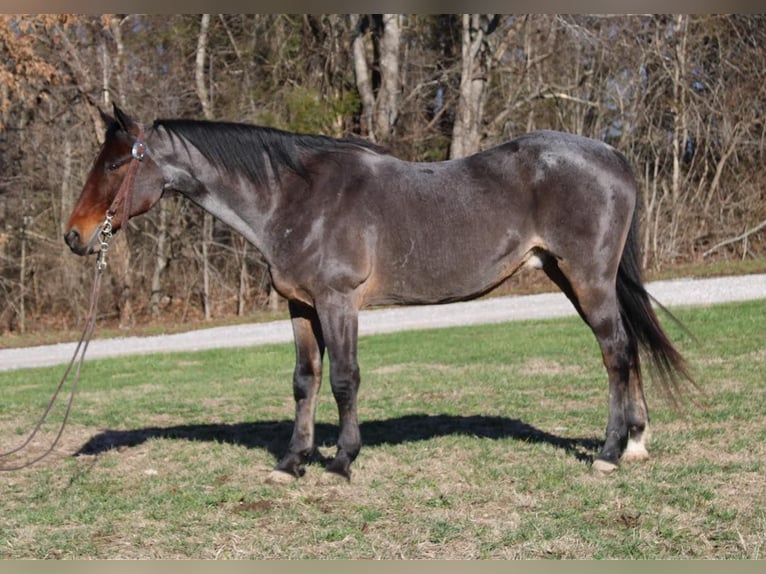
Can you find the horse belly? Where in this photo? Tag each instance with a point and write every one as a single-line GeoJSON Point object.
{"type": "Point", "coordinates": [443, 272]}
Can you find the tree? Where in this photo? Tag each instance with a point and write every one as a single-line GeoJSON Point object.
{"type": "Point", "coordinates": [380, 99]}
{"type": "Point", "coordinates": [475, 63]}
{"type": "Point", "coordinates": [360, 25]}
{"type": "Point", "coordinates": [204, 98]}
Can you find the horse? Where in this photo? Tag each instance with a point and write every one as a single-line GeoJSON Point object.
{"type": "Point", "coordinates": [342, 225]}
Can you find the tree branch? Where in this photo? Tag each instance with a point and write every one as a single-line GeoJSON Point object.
{"type": "Point", "coordinates": [745, 235]}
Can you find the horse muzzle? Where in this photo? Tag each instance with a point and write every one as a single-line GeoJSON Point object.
{"type": "Point", "coordinates": [74, 240]}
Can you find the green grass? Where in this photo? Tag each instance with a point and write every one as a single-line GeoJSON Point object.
{"type": "Point", "coordinates": [477, 442]}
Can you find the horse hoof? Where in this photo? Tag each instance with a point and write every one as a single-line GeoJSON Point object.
{"type": "Point", "coordinates": [634, 455]}
{"type": "Point", "coordinates": [635, 451]}
{"type": "Point", "coordinates": [279, 477]}
{"type": "Point", "coordinates": [603, 467]}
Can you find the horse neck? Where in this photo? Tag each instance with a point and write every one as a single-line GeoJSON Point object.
{"type": "Point", "coordinates": [241, 204]}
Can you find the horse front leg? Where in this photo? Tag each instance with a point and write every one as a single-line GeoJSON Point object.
{"type": "Point", "coordinates": [339, 318]}
{"type": "Point", "coordinates": [307, 378]}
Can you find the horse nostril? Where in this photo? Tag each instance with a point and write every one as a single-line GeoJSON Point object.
{"type": "Point", "coordinates": [72, 238]}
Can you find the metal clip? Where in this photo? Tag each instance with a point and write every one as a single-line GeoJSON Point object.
{"type": "Point", "coordinates": [104, 236]}
{"type": "Point", "coordinates": [101, 261]}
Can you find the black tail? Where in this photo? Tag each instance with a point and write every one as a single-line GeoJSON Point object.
{"type": "Point", "coordinates": [644, 327]}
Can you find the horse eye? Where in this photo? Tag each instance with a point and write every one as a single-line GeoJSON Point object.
{"type": "Point", "coordinates": [114, 165]}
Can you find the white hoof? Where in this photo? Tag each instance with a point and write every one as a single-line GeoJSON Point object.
{"type": "Point", "coordinates": [603, 467]}
{"type": "Point", "coordinates": [635, 451]}
{"type": "Point", "coordinates": [279, 477]}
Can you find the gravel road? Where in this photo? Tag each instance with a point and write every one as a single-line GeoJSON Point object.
{"type": "Point", "coordinates": [673, 293]}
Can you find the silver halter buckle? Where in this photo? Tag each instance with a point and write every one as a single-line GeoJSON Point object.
{"type": "Point", "coordinates": [139, 150]}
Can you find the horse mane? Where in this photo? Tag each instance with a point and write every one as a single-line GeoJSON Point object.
{"type": "Point", "coordinates": [245, 148]}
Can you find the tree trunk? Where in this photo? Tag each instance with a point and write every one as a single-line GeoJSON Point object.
{"type": "Point", "coordinates": [115, 23]}
{"type": "Point", "coordinates": [362, 74]}
{"type": "Point", "coordinates": [160, 261]}
{"type": "Point", "coordinates": [119, 253]}
{"type": "Point", "coordinates": [680, 129]}
{"type": "Point", "coordinates": [204, 98]}
{"type": "Point", "coordinates": [23, 274]}
{"type": "Point", "coordinates": [476, 60]}
{"type": "Point", "coordinates": [388, 95]}
{"type": "Point", "coordinates": [243, 282]}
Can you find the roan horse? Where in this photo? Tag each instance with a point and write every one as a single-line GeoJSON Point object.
{"type": "Point", "coordinates": [343, 225]}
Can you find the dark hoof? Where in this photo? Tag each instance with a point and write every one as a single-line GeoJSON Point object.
{"type": "Point", "coordinates": [291, 465]}
{"type": "Point", "coordinates": [339, 467]}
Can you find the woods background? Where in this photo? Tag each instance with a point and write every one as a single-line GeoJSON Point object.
{"type": "Point", "coordinates": [683, 97]}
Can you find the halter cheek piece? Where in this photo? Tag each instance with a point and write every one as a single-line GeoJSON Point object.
{"type": "Point", "coordinates": [124, 195]}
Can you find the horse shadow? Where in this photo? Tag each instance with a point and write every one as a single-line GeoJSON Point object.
{"type": "Point", "coordinates": [274, 436]}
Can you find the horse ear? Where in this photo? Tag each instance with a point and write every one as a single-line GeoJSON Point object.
{"type": "Point", "coordinates": [124, 120]}
{"type": "Point", "coordinates": [106, 118]}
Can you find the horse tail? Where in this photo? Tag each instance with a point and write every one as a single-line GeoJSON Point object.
{"type": "Point", "coordinates": [643, 327]}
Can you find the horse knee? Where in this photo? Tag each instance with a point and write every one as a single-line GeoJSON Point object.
{"type": "Point", "coordinates": [306, 380]}
{"type": "Point", "coordinates": [345, 384]}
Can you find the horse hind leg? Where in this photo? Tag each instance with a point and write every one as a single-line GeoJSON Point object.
{"type": "Point", "coordinates": [638, 419]}
{"type": "Point", "coordinates": [597, 303]}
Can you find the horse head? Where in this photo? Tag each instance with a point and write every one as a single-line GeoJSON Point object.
{"type": "Point", "coordinates": [100, 192]}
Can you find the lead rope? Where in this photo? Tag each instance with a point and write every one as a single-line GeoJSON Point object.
{"type": "Point", "coordinates": [90, 323]}
{"type": "Point", "coordinates": [105, 234]}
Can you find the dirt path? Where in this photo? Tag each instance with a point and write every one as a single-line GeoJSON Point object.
{"type": "Point", "coordinates": [679, 292]}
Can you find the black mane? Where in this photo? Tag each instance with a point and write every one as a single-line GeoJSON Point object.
{"type": "Point", "coordinates": [239, 148]}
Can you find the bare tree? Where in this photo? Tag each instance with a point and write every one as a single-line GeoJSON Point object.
{"type": "Point", "coordinates": [204, 98]}
{"type": "Point", "coordinates": [475, 64]}
{"type": "Point", "coordinates": [120, 268]}
{"type": "Point", "coordinates": [360, 26]}
{"type": "Point", "coordinates": [388, 95]}
{"type": "Point", "coordinates": [380, 108]}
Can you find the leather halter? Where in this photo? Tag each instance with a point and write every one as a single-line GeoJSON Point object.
{"type": "Point", "coordinates": [124, 196]}
{"type": "Point", "coordinates": [125, 193]}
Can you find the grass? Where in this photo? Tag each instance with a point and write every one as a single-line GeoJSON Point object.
{"type": "Point", "coordinates": [477, 444]}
